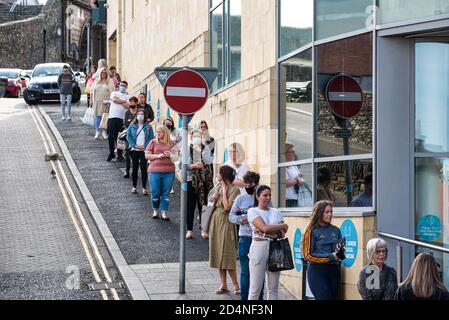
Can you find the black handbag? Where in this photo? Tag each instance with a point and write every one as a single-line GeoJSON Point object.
{"type": "Point", "coordinates": [280, 256]}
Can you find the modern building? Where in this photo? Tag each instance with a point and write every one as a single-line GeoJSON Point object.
{"type": "Point", "coordinates": [357, 88]}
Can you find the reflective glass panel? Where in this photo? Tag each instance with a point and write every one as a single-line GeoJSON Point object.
{"type": "Point", "coordinates": [296, 186]}
{"type": "Point", "coordinates": [296, 24]}
{"type": "Point", "coordinates": [432, 97]}
{"type": "Point", "coordinates": [236, 39]}
{"type": "Point", "coordinates": [345, 97]}
{"type": "Point", "coordinates": [217, 45]}
{"type": "Point", "coordinates": [296, 105]}
{"type": "Point", "coordinates": [398, 10]}
{"type": "Point", "coordinates": [335, 17]}
{"type": "Point", "coordinates": [345, 183]}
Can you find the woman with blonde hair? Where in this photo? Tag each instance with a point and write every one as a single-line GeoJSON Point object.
{"type": "Point", "coordinates": [102, 63]}
{"type": "Point", "coordinates": [101, 92]}
{"type": "Point", "coordinates": [377, 281]}
{"type": "Point", "coordinates": [161, 152]}
{"type": "Point", "coordinates": [236, 161]}
{"type": "Point", "coordinates": [423, 281]}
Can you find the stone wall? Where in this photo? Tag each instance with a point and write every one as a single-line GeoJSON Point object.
{"type": "Point", "coordinates": [21, 42]}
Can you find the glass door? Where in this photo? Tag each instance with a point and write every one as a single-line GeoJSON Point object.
{"type": "Point", "coordinates": [431, 155]}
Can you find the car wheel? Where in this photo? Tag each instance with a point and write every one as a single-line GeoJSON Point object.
{"type": "Point", "coordinates": [27, 99]}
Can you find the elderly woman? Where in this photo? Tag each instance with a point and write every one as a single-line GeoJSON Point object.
{"type": "Point", "coordinates": [377, 281]}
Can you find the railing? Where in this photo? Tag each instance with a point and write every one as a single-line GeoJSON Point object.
{"type": "Point", "coordinates": [411, 242]}
{"type": "Point", "coordinates": [14, 6]}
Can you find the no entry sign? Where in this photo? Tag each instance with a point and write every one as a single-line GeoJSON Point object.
{"type": "Point", "coordinates": [186, 91]}
{"type": "Point", "coordinates": [344, 96]}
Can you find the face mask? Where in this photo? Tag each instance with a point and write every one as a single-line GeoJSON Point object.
{"type": "Point", "coordinates": [122, 90]}
{"type": "Point", "coordinates": [196, 141]}
{"type": "Point", "coordinates": [169, 126]}
{"type": "Point", "coordinates": [140, 118]}
{"type": "Point", "coordinates": [132, 107]}
{"type": "Point", "coordinates": [250, 190]}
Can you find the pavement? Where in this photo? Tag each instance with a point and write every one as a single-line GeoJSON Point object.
{"type": "Point", "coordinates": [150, 248]}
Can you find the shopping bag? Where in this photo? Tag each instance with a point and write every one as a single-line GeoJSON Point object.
{"type": "Point", "coordinates": [121, 145]}
{"type": "Point", "coordinates": [280, 256]}
{"type": "Point", "coordinates": [104, 121]}
{"type": "Point", "coordinates": [304, 196]}
{"type": "Point", "coordinates": [88, 117]}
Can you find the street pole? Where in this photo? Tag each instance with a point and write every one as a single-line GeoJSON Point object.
{"type": "Point", "coordinates": [88, 49]}
{"type": "Point", "coordinates": [182, 232]}
{"type": "Point", "coordinates": [348, 163]}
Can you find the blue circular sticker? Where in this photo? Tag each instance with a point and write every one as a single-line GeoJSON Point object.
{"type": "Point", "coordinates": [297, 254]}
{"type": "Point", "coordinates": [349, 232]}
{"type": "Point", "coordinates": [429, 228]}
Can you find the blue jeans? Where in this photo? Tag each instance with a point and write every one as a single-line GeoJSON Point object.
{"type": "Point", "coordinates": [242, 252]}
{"type": "Point", "coordinates": [160, 186]}
{"type": "Point", "coordinates": [97, 123]}
{"type": "Point", "coordinates": [66, 99]}
{"type": "Point", "coordinates": [324, 281]}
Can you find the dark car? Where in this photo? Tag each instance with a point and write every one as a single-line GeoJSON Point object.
{"type": "Point", "coordinates": [11, 83]}
{"type": "Point", "coordinates": [43, 84]}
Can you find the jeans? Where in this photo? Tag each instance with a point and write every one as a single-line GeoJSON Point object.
{"type": "Point", "coordinates": [97, 124]}
{"type": "Point", "coordinates": [242, 252]}
{"type": "Point", "coordinates": [66, 99]}
{"type": "Point", "coordinates": [324, 280]}
{"type": "Point", "coordinates": [160, 185]}
{"type": "Point", "coordinates": [115, 125]}
{"type": "Point", "coordinates": [138, 160]}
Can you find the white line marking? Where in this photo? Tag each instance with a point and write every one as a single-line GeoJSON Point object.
{"type": "Point", "coordinates": [186, 92]}
{"type": "Point", "coordinates": [345, 96]}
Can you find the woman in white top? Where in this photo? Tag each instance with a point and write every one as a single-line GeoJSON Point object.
{"type": "Point", "coordinates": [293, 178]}
{"type": "Point", "coordinates": [237, 162]}
{"type": "Point", "coordinates": [267, 224]}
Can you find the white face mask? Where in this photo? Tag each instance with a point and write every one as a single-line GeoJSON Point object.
{"type": "Point", "coordinates": [196, 141]}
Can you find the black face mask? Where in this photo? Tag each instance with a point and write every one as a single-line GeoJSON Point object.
{"type": "Point", "coordinates": [250, 190]}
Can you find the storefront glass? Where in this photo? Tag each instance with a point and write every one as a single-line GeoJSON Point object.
{"type": "Point", "coordinates": [353, 59]}
{"type": "Point", "coordinates": [217, 45]}
{"type": "Point", "coordinates": [296, 24]}
{"type": "Point", "coordinates": [335, 17]}
{"type": "Point", "coordinates": [296, 186]}
{"type": "Point", "coordinates": [399, 10]}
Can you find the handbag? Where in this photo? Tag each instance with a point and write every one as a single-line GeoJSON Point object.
{"type": "Point", "coordinates": [104, 121]}
{"type": "Point", "coordinates": [88, 117]}
{"type": "Point", "coordinates": [121, 145]}
{"type": "Point", "coordinates": [207, 211]}
{"type": "Point", "coordinates": [304, 196]}
{"type": "Point", "coordinates": [280, 256]}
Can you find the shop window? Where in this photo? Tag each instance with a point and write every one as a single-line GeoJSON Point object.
{"type": "Point", "coordinates": [296, 105]}
{"type": "Point", "coordinates": [335, 17]}
{"type": "Point", "coordinates": [345, 183]}
{"type": "Point", "coordinates": [400, 10]}
{"type": "Point", "coordinates": [296, 24]}
{"type": "Point", "coordinates": [225, 37]}
{"type": "Point", "coordinates": [296, 186]}
{"type": "Point", "coordinates": [345, 108]}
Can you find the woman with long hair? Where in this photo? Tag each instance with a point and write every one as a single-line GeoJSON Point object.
{"type": "Point", "coordinates": [423, 281]}
{"type": "Point", "coordinates": [323, 249]}
{"type": "Point", "coordinates": [236, 161]}
{"type": "Point", "coordinates": [101, 92]}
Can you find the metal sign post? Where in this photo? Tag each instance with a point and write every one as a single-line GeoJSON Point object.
{"type": "Point", "coordinates": [185, 91]}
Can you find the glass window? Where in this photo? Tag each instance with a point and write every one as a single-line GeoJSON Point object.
{"type": "Point", "coordinates": [296, 186]}
{"type": "Point", "coordinates": [296, 105]}
{"type": "Point", "coordinates": [335, 17]}
{"type": "Point", "coordinates": [296, 24]}
{"type": "Point", "coordinates": [345, 183]}
{"type": "Point", "coordinates": [393, 11]}
{"type": "Point", "coordinates": [217, 44]}
{"type": "Point", "coordinates": [226, 42]}
{"type": "Point", "coordinates": [432, 97]}
{"type": "Point", "coordinates": [214, 3]}
{"type": "Point", "coordinates": [344, 97]}
{"type": "Point", "coordinates": [431, 209]}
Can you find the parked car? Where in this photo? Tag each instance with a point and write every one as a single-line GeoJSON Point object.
{"type": "Point", "coordinates": [12, 82]}
{"type": "Point", "coordinates": [26, 76]}
{"type": "Point", "coordinates": [43, 84]}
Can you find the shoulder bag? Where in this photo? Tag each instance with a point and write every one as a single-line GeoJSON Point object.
{"type": "Point", "coordinates": [207, 211]}
{"type": "Point", "coordinates": [280, 256]}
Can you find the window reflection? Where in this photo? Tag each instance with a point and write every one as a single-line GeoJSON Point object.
{"type": "Point", "coordinates": [296, 24]}
{"type": "Point", "coordinates": [217, 45]}
{"type": "Point", "coordinates": [392, 11]}
{"type": "Point", "coordinates": [296, 184]}
{"type": "Point", "coordinates": [296, 104]}
{"type": "Point", "coordinates": [351, 57]}
{"type": "Point", "coordinates": [343, 183]}
{"type": "Point", "coordinates": [236, 39]}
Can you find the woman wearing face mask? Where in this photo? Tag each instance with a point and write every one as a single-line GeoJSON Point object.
{"type": "Point", "coordinates": [175, 134]}
{"type": "Point", "coordinates": [208, 140]}
{"type": "Point", "coordinates": [323, 248]}
{"type": "Point", "coordinates": [130, 116]}
{"type": "Point", "coordinates": [139, 136]}
{"type": "Point", "coordinates": [199, 179]}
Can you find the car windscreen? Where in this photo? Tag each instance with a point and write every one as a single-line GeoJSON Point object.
{"type": "Point", "coordinates": [9, 74]}
{"type": "Point", "coordinates": [46, 71]}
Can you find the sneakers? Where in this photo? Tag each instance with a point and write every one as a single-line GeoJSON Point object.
{"type": "Point", "coordinates": [134, 191]}
{"type": "Point", "coordinates": [69, 118]}
{"type": "Point", "coordinates": [97, 136]}
{"type": "Point", "coordinates": [172, 191]}
{"type": "Point", "coordinates": [126, 175]}
{"type": "Point", "coordinates": [189, 235]}
{"type": "Point", "coordinates": [63, 118]}
{"type": "Point", "coordinates": [145, 192]}
{"type": "Point", "coordinates": [105, 135]}
{"type": "Point", "coordinates": [164, 216]}
{"type": "Point", "coordinates": [155, 214]}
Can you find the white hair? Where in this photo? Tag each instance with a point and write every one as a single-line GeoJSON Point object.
{"type": "Point", "coordinates": [372, 246]}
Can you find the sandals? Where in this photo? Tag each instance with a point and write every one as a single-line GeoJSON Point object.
{"type": "Point", "coordinates": [237, 292]}
{"type": "Point", "coordinates": [145, 192]}
{"type": "Point", "coordinates": [189, 235]}
{"type": "Point", "coordinates": [222, 291]}
{"type": "Point", "coordinates": [204, 235]}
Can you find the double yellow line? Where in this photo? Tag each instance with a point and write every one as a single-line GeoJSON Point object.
{"type": "Point", "coordinates": [71, 203]}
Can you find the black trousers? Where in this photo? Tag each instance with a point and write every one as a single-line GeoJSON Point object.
{"type": "Point", "coordinates": [115, 126]}
{"type": "Point", "coordinates": [138, 160]}
{"type": "Point", "coordinates": [127, 159]}
{"type": "Point", "coordinates": [193, 202]}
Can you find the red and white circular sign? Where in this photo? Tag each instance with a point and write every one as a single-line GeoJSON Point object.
{"type": "Point", "coordinates": [344, 96]}
{"type": "Point", "coordinates": [186, 91]}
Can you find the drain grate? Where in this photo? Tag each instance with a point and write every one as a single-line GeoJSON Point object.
{"type": "Point", "coordinates": [105, 286]}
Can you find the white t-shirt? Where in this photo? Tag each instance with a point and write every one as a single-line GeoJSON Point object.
{"type": "Point", "coordinates": [117, 110]}
{"type": "Point", "coordinates": [291, 173]}
{"type": "Point", "coordinates": [240, 172]}
{"type": "Point", "coordinates": [140, 140]}
{"type": "Point", "coordinates": [272, 216]}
